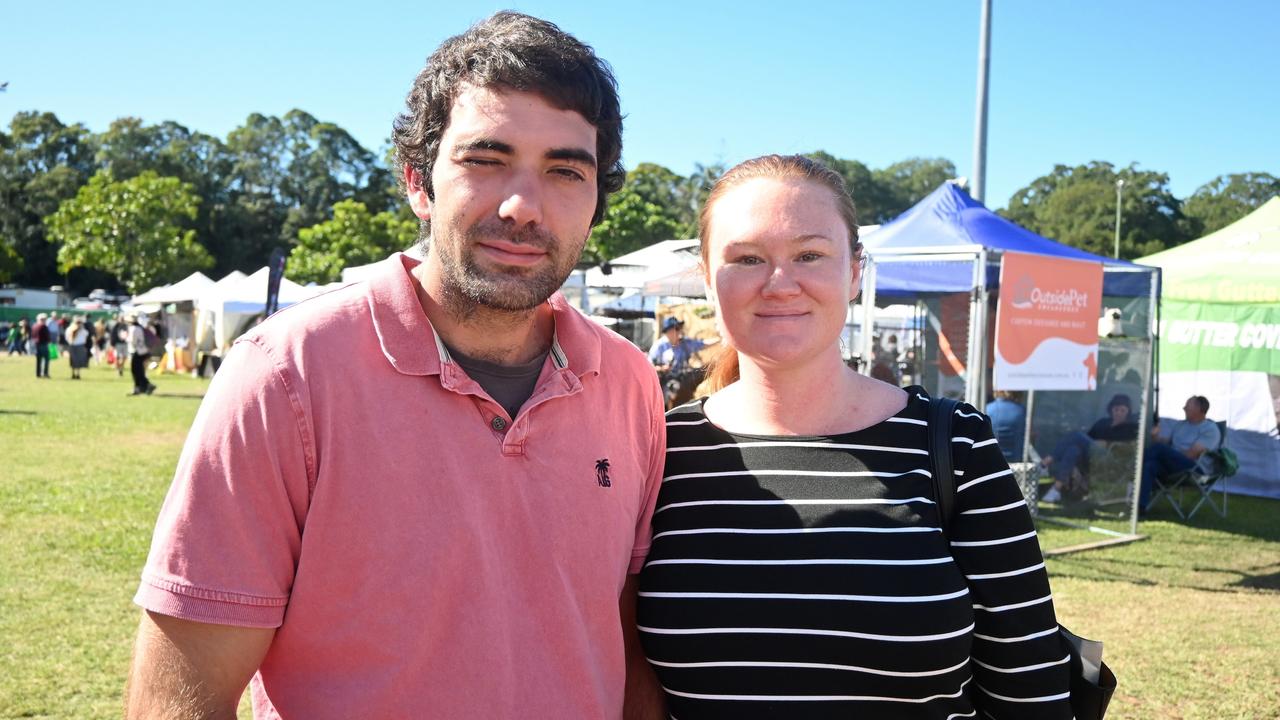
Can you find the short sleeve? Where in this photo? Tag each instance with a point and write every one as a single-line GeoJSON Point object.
{"type": "Point", "coordinates": [653, 476]}
{"type": "Point", "coordinates": [1020, 667]}
{"type": "Point", "coordinates": [227, 540]}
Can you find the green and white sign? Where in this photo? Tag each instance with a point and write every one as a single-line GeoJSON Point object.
{"type": "Point", "coordinates": [1220, 338]}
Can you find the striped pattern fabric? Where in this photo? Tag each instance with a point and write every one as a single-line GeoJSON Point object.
{"type": "Point", "coordinates": [807, 577]}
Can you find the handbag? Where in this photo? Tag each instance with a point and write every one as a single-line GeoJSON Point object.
{"type": "Point", "coordinates": [1092, 682]}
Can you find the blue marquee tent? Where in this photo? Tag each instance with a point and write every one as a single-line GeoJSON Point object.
{"type": "Point", "coordinates": [930, 249]}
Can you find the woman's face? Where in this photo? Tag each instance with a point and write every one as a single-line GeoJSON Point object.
{"type": "Point", "coordinates": [1119, 414]}
{"type": "Point", "coordinates": [780, 269]}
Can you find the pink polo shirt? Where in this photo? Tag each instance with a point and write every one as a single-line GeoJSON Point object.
{"type": "Point", "coordinates": [419, 552]}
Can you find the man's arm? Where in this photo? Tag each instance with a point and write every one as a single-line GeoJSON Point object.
{"type": "Point", "coordinates": [644, 695]}
{"type": "Point", "coordinates": [184, 670]}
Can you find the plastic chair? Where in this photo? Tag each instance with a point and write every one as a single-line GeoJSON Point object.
{"type": "Point", "coordinates": [1223, 464]}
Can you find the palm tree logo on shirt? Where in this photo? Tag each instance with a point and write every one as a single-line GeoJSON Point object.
{"type": "Point", "coordinates": [602, 473]}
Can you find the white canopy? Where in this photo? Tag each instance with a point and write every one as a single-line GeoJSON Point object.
{"type": "Point", "coordinates": [186, 290]}
{"type": "Point", "coordinates": [229, 305]}
{"type": "Point", "coordinates": [633, 270]}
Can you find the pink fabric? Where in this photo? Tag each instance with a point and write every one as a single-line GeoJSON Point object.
{"type": "Point", "coordinates": [345, 483]}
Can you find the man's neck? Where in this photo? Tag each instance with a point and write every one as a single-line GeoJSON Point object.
{"type": "Point", "coordinates": [496, 336]}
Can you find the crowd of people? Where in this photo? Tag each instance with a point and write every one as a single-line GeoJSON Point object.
{"type": "Point", "coordinates": [126, 340]}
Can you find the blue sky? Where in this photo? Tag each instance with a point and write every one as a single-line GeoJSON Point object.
{"type": "Point", "coordinates": [1187, 88]}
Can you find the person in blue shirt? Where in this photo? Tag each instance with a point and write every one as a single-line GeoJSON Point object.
{"type": "Point", "coordinates": [1182, 449]}
{"type": "Point", "coordinates": [1009, 422]}
{"type": "Point", "coordinates": [671, 355]}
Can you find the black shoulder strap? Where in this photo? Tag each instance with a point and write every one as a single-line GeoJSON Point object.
{"type": "Point", "coordinates": [941, 413]}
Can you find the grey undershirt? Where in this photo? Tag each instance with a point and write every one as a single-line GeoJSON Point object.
{"type": "Point", "coordinates": [509, 385]}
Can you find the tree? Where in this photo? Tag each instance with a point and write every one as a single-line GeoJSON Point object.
{"type": "Point", "coordinates": [646, 210]}
{"type": "Point", "coordinates": [133, 229]}
{"type": "Point", "coordinates": [42, 163]}
{"type": "Point", "coordinates": [1227, 198]}
{"type": "Point", "coordinates": [696, 188]}
{"type": "Point", "coordinates": [882, 195]}
{"type": "Point", "coordinates": [128, 148]}
{"type": "Point", "coordinates": [353, 237]}
{"type": "Point", "coordinates": [1077, 206]}
{"type": "Point", "coordinates": [872, 200]}
{"type": "Point", "coordinates": [909, 181]}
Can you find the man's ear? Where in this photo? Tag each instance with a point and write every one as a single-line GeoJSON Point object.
{"type": "Point", "coordinates": [416, 193]}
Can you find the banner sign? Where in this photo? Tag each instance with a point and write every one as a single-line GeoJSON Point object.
{"type": "Point", "coordinates": [1047, 323]}
{"type": "Point", "coordinates": [1219, 336]}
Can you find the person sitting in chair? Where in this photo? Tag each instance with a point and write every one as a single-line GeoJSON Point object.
{"type": "Point", "coordinates": [1071, 456]}
{"type": "Point", "coordinates": [1182, 449]}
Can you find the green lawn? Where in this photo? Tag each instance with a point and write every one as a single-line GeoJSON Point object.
{"type": "Point", "coordinates": [1190, 616]}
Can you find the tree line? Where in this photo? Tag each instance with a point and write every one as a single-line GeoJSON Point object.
{"type": "Point", "coordinates": [139, 205]}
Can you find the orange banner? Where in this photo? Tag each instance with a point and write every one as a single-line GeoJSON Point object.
{"type": "Point", "coordinates": [1047, 323]}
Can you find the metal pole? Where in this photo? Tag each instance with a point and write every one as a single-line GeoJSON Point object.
{"type": "Point", "coordinates": [980, 124]}
{"type": "Point", "coordinates": [1119, 195]}
{"type": "Point", "coordinates": [868, 319]}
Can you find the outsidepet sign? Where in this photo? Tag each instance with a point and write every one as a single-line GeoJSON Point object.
{"type": "Point", "coordinates": [1047, 323]}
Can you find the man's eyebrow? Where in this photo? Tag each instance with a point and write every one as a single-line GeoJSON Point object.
{"type": "Point", "coordinates": [484, 144]}
{"type": "Point", "coordinates": [573, 154]}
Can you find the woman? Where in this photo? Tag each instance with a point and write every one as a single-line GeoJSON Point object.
{"type": "Point", "coordinates": [78, 345]}
{"type": "Point", "coordinates": [1069, 463]}
{"type": "Point", "coordinates": [797, 566]}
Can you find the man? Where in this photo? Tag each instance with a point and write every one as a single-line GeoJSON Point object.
{"type": "Point", "coordinates": [139, 355]}
{"type": "Point", "coordinates": [1182, 449]}
{"type": "Point", "coordinates": [54, 323]}
{"type": "Point", "coordinates": [42, 337]}
{"type": "Point", "coordinates": [671, 355]}
{"type": "Point", "coordinates": [427, 494]}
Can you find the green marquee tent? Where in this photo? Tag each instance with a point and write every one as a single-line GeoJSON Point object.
{"type": "Point", "coordinates": [1220, 337]}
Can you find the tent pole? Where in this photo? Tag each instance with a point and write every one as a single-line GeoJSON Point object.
{"type": "Point", "coordinates": [868, 313]}
{"type": "Point", "coordinates": [975, 387]}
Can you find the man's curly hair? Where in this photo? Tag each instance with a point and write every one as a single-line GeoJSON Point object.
{"type": "Point", "coordinates": [517, 52]}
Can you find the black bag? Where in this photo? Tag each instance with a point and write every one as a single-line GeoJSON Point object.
{"type": "Point", "coordinates": [1088, 699]}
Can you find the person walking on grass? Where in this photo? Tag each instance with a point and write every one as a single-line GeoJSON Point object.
{"type": "Point", "coordinates": [120, 342]}
{"type": "Point", "coordinates": [41, 337]}
{"type": "Point", "coordinates": [139, 356]}
{"type": "Point", "coordinates": [78, 346]}
{"type": "Point", "coordinates": [19, 334]}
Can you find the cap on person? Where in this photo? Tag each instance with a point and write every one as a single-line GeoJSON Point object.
{"type": "Point", "coordinates": [1119, 399]}
{"type": "Point", "coordinates": [672, 323]}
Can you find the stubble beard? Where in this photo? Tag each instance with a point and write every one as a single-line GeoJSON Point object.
{"type": "Point", "coordinates": [468, 287]}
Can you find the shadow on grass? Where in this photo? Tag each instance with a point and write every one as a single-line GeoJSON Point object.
{"type": "Point", "coordinates": [1105, 570]}
{"type": "Point", "coordinates": [17, 412]}
{"type": "Point", "coordinates": [177, 396]}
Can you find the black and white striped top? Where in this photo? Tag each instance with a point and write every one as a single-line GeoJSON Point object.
{"type": "Point", "coordinates": [807, 577]}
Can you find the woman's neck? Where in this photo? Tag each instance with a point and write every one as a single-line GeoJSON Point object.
{"type": "Point", "coordinates": [815, 398]}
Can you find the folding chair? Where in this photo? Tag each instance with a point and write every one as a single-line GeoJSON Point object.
{"type": "Point", "coordinates": [1223, 464]}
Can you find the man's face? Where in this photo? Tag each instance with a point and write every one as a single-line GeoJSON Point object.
{"type": "Point", "coordinates": [1191, 409]}
{"type": "Point", "coordinates": [515, 189]}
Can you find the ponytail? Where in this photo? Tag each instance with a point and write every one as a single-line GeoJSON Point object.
{"type": "Point", "coordinates": [722, 371]}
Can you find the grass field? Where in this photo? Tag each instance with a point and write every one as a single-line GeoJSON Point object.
{"type": "Point", "coordinates": [1190, 616]}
